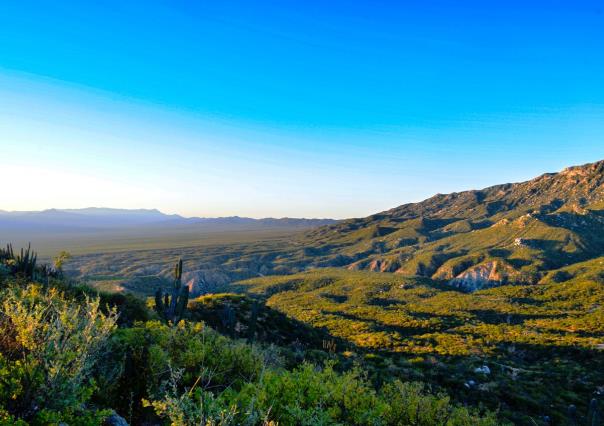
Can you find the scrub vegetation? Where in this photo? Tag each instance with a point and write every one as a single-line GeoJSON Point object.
{"type": "Point", "coordinates": [476, 308]}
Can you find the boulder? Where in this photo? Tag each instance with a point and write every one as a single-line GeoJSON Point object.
{"type": "Point", "coordinates": [520, 242]}
{"type": "Point", "coordinates": [115, 419]}
{"type": "Point", "coordinates": [483, 370]}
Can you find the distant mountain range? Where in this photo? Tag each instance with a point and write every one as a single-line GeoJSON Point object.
{"type": "Point", "coordinates": [95, 218]}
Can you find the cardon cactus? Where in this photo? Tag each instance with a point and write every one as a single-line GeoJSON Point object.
{"type": "Point", "coordinates": [7, 253]}
{"type": "Point", "coordinates": [23, 264]}
{"type": "Point", "coordinates": [171, 305]}
{"type": "Point", "coordinates": [594, 416]}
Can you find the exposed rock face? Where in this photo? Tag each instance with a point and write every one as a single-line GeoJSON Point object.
{"type": "Point", "coordinates": [486, 275]}
{"type": "Point", "coordinates": [450, 270]}
{"type": "Point", "coordinates": [375, 265]}
{"type": "Point", "coordinates": [204, 281]}
{"type": "Point", "coordinates": [390, 265]}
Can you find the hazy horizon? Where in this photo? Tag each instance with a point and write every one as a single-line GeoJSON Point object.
{"type": "Point", "coordinates": [69, 209]}
{"type": "Point", "coordinates": [276, 110]}
{"type": "Point", "coordinates": [190, 216]}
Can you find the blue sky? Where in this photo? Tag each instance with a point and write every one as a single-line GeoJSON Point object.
{"type": "Point", "coordinates": [330, 109]}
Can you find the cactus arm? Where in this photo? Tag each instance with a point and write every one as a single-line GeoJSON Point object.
{"type": "Point", "coordinates": [159, 304]}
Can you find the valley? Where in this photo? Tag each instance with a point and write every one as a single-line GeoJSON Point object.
{"type": "Point", "coordinates": [306, 213]}
{"type": "Point", "coordinates": [494, 297]}
{"type": "Point", "coordinates": [506, 234]}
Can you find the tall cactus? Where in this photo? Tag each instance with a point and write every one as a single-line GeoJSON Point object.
{"type": "Point", "coordinates": [171, 305]}
{"type": "Point", "coordinates": [26, 262]}
{"type": "Point", "coordinates": [23, 264]}
{"type": "Point", "coordinates": [572, 415]}
{"type": "Point", "coordinates": [594, 416]}
{"type": "Point", "coordinates": [7, 253]}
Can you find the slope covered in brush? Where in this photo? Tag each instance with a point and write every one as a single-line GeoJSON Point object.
{"type": "Point", "coordinates": [72, 356]}
{"type": "Point", "coordinates": [474, 239]}
{"type": "Point", "coordinates": [528, 351]}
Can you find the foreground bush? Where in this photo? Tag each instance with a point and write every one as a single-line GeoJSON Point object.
{"type": "Point", "coordinates": [310, 396]}
{"type": "Point", "coordinates": [49, 348]}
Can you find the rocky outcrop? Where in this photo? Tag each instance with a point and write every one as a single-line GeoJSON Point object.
{"type": "Point", "coordinates": [204, 281]}
{"type": "Point", "coordinates": [454, 267]}
{"type": "Point", "coordinates": [485, 275]}
{"type": "Point", "coordinates": [520, 242]}
{"type": "Point", "coordinates": [385, 265]}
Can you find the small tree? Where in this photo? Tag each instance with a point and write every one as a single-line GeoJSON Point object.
{"type": "Point", "coordinates": [60, 260]}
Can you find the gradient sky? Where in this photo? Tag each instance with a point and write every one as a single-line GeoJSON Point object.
{"type": "Point", "coordinates": [287, 108]}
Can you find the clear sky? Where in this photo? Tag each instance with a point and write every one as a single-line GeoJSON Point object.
{"type": "Point", "coordinates": [291, 108]}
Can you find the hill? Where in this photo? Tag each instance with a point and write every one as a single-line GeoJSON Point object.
{"type": "Point", "coordinates": [528, 351]}
{"type": "Point", "coordinates": [511, 233]}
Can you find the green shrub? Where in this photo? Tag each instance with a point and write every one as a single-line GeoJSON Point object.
{"type": "Point", "coordinates": [193, 407]}
{"type": "Point", "coordinates": [411, 404]}
{"type": "Point", "coordinates": [49, 349]}
{"type": "Point", "coordinates": [311, 396]}
{"type": "Point", "coordinates": [148, 354]}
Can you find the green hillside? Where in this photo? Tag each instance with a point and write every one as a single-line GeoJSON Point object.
{"type": "Point", "coordinates": [543, 344]}
{"type": "Point", "coordinates": [512, 233]}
